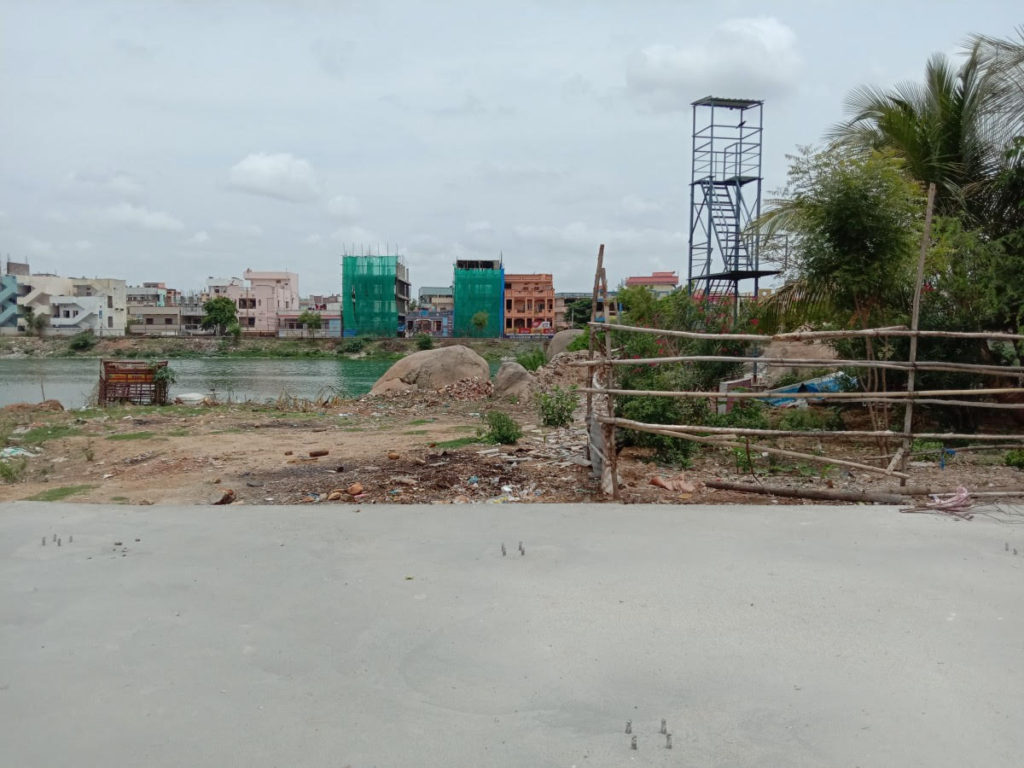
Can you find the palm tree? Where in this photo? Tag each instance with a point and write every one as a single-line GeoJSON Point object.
{"type": "Point", "coordinates": [941, 129]}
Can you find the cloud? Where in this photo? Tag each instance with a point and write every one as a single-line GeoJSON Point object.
{"type": "Point", "coordinates": [743, 58]}
{"type": "Point", "coordinates": [110, 183]}
{"type": "Point", "coordinates": [126, 214]}
{"type": "Point", "coordinates": [476, 227]}
{"type": "Point", "coordinates": [281, 176]}
{"type": "Point", "coordinates": [636, 205]}
{"type": "Point", "coordinates": [518, 173]}
{"type": "Point", "coordinates": [249, 230]}
{"type": "Point", "coordinates": [332, 57]}
{"type": "Point", "coordinates": [83, 245]}
{"type": "Point", "coordinates": [343, 207]}
{"type": "Point", "coordinates": [313, 239]}
{"type": "Point", "coordinates": [38, 246]}
{"type": "Point", "coordinates": [358, 238]}
{"type": "Point", "coordinates": [199, 238]}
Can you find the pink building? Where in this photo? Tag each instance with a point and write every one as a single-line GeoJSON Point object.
{"type": "Point", "coordinates": [259, 302]}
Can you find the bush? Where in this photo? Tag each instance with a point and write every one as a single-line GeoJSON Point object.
{"type": "Point", "coordinates": [810, 419]}
{"type": "Point", "coordinates": [12, 470]}
{"type": "Point", "coordinates": [581, 343]}
{"type": "Point", "coordinates": [673, 451]}
{"type": "Point", "coordinates": [1014, 458]}
{"type": "Point", "coordinates": [557, 406]}
{"type": "Point", "coordinates": [531, 359]}
{"type": "Point", "coordinates": [502, 428]}
{"type": "Point", "coordinates": [82, 342]}
{"type": "Point", "coordinates": [352, 346]}
{"type": "Point", "coordinates": [424, 341]}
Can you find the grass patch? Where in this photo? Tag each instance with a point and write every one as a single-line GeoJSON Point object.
{"type": "Point", "coordinates": [417, 432]}
{"type": "Point", "coordinates": [40, 435]}
{"type": "Point", "coordinates": [418, 422]}
{"type": "Point", "coordinates": [459, 442]}
{"type": "Point", "coordinates": [464, 428]}
{"type": "Point", "coordinates": [131, 436]}
{"type": "Point", "coordinates": [56, 494]}
{"type": "Point", "coordinates": [119, 499]}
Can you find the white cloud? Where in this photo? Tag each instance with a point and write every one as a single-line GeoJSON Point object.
{"type": "Point", "coordinates": [313, 239]}
{"type": "Point", "coordinates": [36, 245]}
{"type": "Point", "coordinates": [358, 238]}
{"type": "Point", "coordinates": [742, 58]}
{"type": "Point", "coordinates": [636, 205]}
{"type": "Point", "coordinates": [343, 207]}
{"type": "Point", "coordinates": [83, 245]}
{"type": "Point", "coordinates": [116, 183]}
{"type": "Point", "coordinates": [249, 230]}
{"type": "Point", "coordinates": [199, 238]}
{"type": "Point", "coordinates": [126, 214]}
{"type": "Point", "coordinates": [280, 176]}
{"type": "Point", "coordinates": [476, 227]}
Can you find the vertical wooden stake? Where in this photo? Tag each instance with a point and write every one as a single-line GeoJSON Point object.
{"type": "Point", "coordinates": [908, 413]}
{"type": "Point", "coordinates": [590, 344]}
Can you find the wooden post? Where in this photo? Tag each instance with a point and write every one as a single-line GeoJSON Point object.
{"type": "Point", "coordinates": [908, 413]}
{"type": "Point", "coordinates": [590, 344]}
{"type": "Point", "coordinates": [609, 433]}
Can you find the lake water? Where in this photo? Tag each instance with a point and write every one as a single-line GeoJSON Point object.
{"type": "Point", "coordinates": [73, 380]}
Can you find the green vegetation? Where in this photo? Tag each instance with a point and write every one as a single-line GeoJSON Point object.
{"type": "Point", "coordinates": [56, 494]}
{"type": "Point", "coordinates": [581, 343]}
{"type": "Point", "coordinates": [531, 359]}
{"type": "Point", "coordinates": [459, 442]}
{"type": "Point", "coordinates": [557, 406]}
{"type": "Point", "coordinates": [352, 346]}
{"type": "Point", "coordinates": [1014, 458]}
{"type": "Point", "coordinates": [82, 342]}
{"type": "Point", "coordinates": [40, 435]}
{"type": "Point", "coordinates": [501, 428]}
{"type": "Point", "coordinates": [810, 419]}
{"type": "Point", "coordinates": [12, 470]}
{"type": "Point", "coordinates": [311, 321]}
{"type": "Point", "coordinates": [219, 314]}
{"type": "Point", "coordinates": [424, 341]}
{"type": "Point", "coordinates": [479, 321]}
{"type": "Point", "coordinates": [131, 436]}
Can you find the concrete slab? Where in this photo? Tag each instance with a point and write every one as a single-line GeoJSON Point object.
{"type": "Point", "coordinates": [400, 636]}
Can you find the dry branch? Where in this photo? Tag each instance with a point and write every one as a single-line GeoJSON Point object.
{"type": "Point", "coordinates": [809, 493]}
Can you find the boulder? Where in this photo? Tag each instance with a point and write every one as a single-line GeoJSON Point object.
{"type": "Point", "coordinates": [432, 369]}
{"type": "Point", "coordinates": [513, 380]}
{"type": "Point", "coordinates": [561, 341]}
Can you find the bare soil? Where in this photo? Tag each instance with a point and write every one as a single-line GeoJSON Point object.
{"type": "Point", "coordinates": [409, 449]}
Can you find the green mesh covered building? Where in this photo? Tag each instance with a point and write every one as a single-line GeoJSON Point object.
{"type": "Point", "coordinates": [478, 291]}
{"type": "Point", "coordinates": [375, 292]}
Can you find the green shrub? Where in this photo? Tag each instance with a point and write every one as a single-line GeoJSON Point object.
{"type": "Point", "coordinates": [1014, 458]}
{"type": "Point", "coordinates": [12, 470]}
{"type": "Point", "coordinates": [810, 419]}
{"type": "Point", "coordinates": [557, 406]}
{"type": "Point", "coordinates": [580, 343]}
{"type": "Point", "coordinates": [352, 346]}
{"type": "Point", "coordinates": [424, 341]}
{"type": "Point", "coordinates": [502, 428]}
{"type": "Point", "coordinates": [673, 451]}
{"type": "Point", "coordinates": [82, 342]}
{"type": "Point", "coordinates": [531, 359]}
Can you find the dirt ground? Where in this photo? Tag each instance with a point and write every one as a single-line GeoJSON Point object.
{"type": "Point", "coordinates": [408, 449]}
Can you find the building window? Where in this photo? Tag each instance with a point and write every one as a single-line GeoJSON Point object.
{"type": "Point", "coordinates": [149, 321]}
{"type": "Point", "coordinates": [110, 302]}
{"type": "Point", "coordinates": [168, 321]}
{"type": "Point", "coordinates": [252, 322]}
{"type": "Point", "coordinates": [110, 322]}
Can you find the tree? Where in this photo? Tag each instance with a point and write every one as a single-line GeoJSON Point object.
{"type": "Point", "coordinates": [852, 220]}
{"type": "Point", "coordinates": [219, 313]}
{"type": "Point", "coordinates": [577, 313]}
{"type": "Point", "coordinates": [310, 320]}
{"type": "Point", "coordinates": [479, 321]}
{"type": "Point", "coordinates": [941, 129]}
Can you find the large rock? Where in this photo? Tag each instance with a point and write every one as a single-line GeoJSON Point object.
{"type": "Point", "coordinates": [561, 341]}
{"type": "Point", "coordinates": [432, 369]}
{"type": "Point", "coordinates": [513, 380]}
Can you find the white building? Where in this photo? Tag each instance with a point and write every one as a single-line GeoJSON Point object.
{"type": "Point", "coordinates": [74, 304]}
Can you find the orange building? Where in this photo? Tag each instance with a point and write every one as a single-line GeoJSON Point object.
{"type": "Point", "coordinates": [529, 304]}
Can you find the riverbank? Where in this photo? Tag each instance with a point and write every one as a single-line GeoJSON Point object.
{"type": "Point", "coordinates": [175, 347]}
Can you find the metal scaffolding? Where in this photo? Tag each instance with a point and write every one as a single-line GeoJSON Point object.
{"type": "Point", "coordinates": [725, 196]}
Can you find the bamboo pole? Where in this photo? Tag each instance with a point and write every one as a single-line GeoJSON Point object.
{"type": "Point", "coordinates": [899, 330]}
{"type": "Point", "coordinates": [809, 493]}
{"type": "Point", "coordinates": [854, 396]}
{"type": "Point", "coordinates": [800, 362]}
{"type": "Point", "coordinates": [658, 429]}
{"type": "Point", "coordinates": [609, 435]}
{"type": "Point", "coordinates": [590, 346]}
{"type": "Point", "coordinates": [908, 412]}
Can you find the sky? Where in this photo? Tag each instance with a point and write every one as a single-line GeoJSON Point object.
{"type": "Point", "coordinates": [173, 141]}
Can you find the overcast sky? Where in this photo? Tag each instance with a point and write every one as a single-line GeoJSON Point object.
{"type": "Point", "coordinates": [170, 141]}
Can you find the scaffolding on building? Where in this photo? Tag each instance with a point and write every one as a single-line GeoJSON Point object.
{"type": "Point", "coordinates": [725, 196]}
{"type": "Point", "coordinates": [375, 295]}
{"type": "Point", "coordinates": [478, 289]}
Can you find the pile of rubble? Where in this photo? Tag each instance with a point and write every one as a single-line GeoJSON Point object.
{"type": "Point", "coordinates": [563, 372]}
{"type": "Point", "coordinates": [468, 389]}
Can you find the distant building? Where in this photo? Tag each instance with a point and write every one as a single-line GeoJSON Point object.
{"type": "Point", "coordinates": [74, 304]}
{"type": "Point", "coordinates": [478, 292]}
{"type": "Point", "coordinates": [375, 295]}
{"type": "Point", "coordinates": [660, 283]}
{"type": "Point", "coordinates": [8, 304]}
{"type": "Point", "coordinates": [258, 302]}
{"type": "Point", "coordinates": [147, 295]}
{"type": "Point", "coordinates": [426, 319]}
{"type": "Point", "coordinates": [564, 299]}
{"type": "Point", "coordinates": [440, 299]}
{"type": "Point", "coordinates": [154, 320]}
{"type": "Point", "coordinates": [529, 304]}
